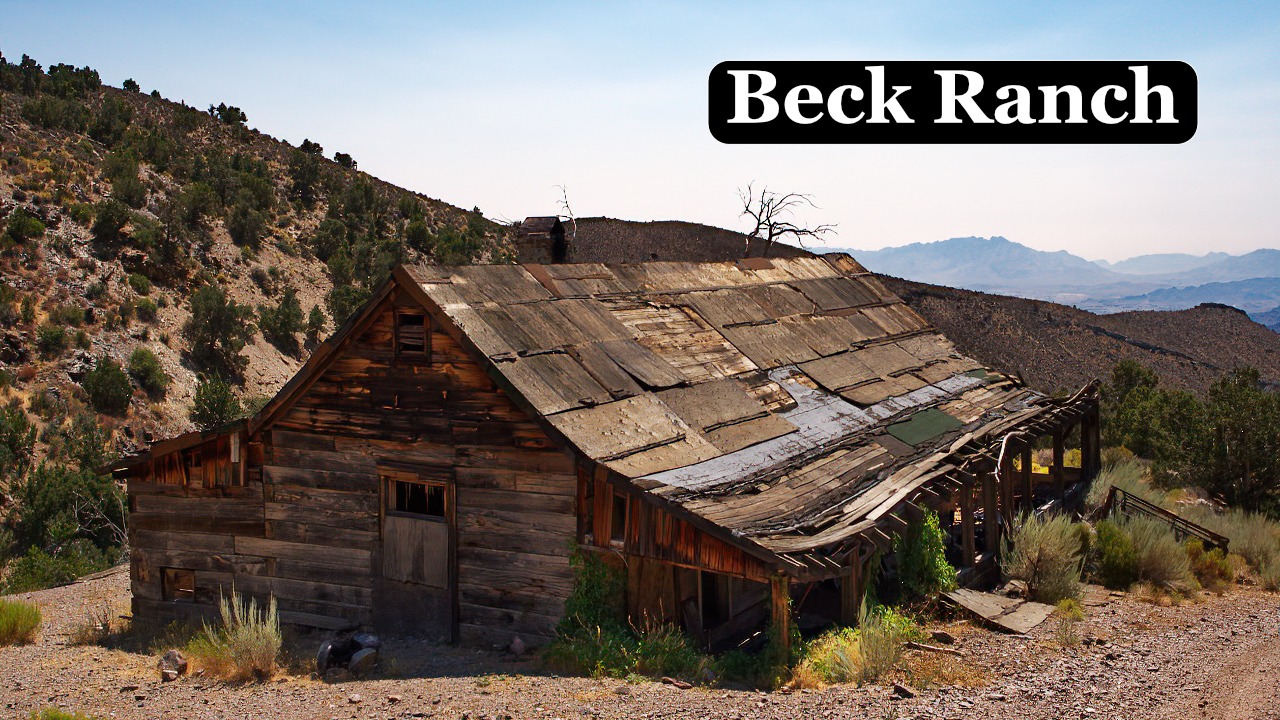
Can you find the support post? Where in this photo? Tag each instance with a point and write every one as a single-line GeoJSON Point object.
{"type": "Point", "coordinates": [1059, 476]}
{"type": "Point", "coordinates": [990, 512]}
{"type": "Point", "coordinates": [1028, 492]}
{"type": "Point", "coordinates": [851, 591]}
{"type": "Point", "coordinates": [780, 585]}
{"type": "Point", "coordinates": [1095, 441]}
{"type": "Point", "coordinates": [969, 557]}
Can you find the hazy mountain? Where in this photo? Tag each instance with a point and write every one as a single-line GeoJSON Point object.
{"type": "Point", "coordinates": [1257, 264]}
{"type": "Point", "coordinates": [1163, 263]}
{"type": "Point", "coordinates": [983, 263]}
{"type": "Point", "coordinates": [1254, 295]}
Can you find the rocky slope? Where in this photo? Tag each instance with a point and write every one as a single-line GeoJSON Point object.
{"type": "Point", "coordinates": [101, 188]}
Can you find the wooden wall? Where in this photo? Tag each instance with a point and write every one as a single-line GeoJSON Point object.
{"type": "Point", "coordinates": [309, 531]}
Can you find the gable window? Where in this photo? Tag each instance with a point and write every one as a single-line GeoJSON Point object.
{"type": "Point", "coordinates": [411, 332]}
{"type": "Point", "coordinates": [421, 499]}
{"type": "Point", "coordinates": [178, 585]}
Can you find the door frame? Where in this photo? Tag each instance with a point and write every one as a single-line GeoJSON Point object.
{"type": "Point", "coordinates": [389, 472]}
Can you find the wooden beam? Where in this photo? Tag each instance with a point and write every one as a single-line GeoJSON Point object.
{"type": "Point", "coordinates": [1059, 479]}
{"type": "Point", "coordinates": [780, 587]}
{"type": "Point", "coordinates": [1028, 493]}
{"type": "Point", "coordinates": [969, 552]}
{"type": "Point", "coordinates": [990, 512]}
{"type": "Point", "coordinates": [851, 592]}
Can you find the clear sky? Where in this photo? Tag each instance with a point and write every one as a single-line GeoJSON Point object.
{"type": "Point", "coordinates": [493, 104]}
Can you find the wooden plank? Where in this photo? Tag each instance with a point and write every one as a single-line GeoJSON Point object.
{"type": "Point", "coordinates": [301, 441]}
{"type": "Point", "coordinates": [182, 541]}
{"type": "Point", "coordinates": [208, 507]}
{"type": "Point", "coordinates": [525, 482]}
{"type": "Point", "coordinates": [300, 551]}
{"type": "Point", "coordinates": [1011, 614]}
{"type": "Point", "coordinates": [515, 621]}
{"type": "Point", "coordinates": [314, 592]}
{"type": "Point", "coordinates": [626, 427]}
{"type": "Point", "coordinates": [170, 523]}
{"type": "Point", "coordinates": [838, 371]}
{"type": "Point", "coordinates": [321, 479]}
{"type": "Point", "coordinates": [643, 364]}
{"type": "Point", "coordinates": [605, 371]}
{"type": "Point", "coordinates": [325, 535]}
{"type": "Point", "coordinates": [415, 550]}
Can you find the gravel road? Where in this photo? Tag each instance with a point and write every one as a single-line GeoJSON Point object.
{"type": "Point", "coordinates": [1217, 659]}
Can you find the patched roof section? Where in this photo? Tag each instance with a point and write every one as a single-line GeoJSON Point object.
{"type": "Point", "coordinates": [788, 400]}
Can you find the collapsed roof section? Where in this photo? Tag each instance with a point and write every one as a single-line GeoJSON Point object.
{"type": "Point", "coordinates": [795, 403]}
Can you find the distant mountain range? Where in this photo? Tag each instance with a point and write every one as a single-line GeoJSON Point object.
{"type": "Point", "coordinates": [1168, 281]}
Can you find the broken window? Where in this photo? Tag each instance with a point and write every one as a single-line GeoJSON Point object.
{"type": "Point", "coordinates": [417, 498]}
{"type": "Point", "coordinates": [178, 585]}
{"type": "Point", "coordinates": [411, 332]}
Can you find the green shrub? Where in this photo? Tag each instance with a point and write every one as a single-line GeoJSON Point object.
{"type": "Point", "coordinates": [662, 649]}
{"type": "Point", "coordinates": [21, 227]}
{"type": "Point", "coordinates": [833, 657]}
{"type": "Point", "coordinates": [57, 113]}
{"type": "Point", "coordinates": [281, 323]}
{"type": "Point", "coordinates": [215, 404]}
{"type": "Point", "coordinates": [95, 291]}
{"type": "Point", "coordinates": [1045, 553]}
{"type": "Point", "coordinates": [140, 284]}
{"type": "Point", "coordinates": [1127, 475]}
{"type": "Point", "coordinates": [145, 367]}
{"type": "Point", "coordinates": [246, 226]}
{"type": "Point", "coordinates": [82, 340]}
{"type": "Point", "coordinates": [19, 622]}
{"type": "Point", "coordinates": [246, 646]}
{"type": "Point", "coordinates": [108, 387]}
{"type": "Point", "coordinates": [315, 324]}
{"type": "Point", "coordinates": [1253, 535]}
{"type": "Point", "coordinates": [129, 190]}
{"type": "Point", "coordinates": [51, 340]}
{"type": "Point", "coordinates": [218, 329]}
{"type": "Point", "coordinates": [1116, 558]}
{"type": "Point", "coordinates": [922, 563]}
{"type": "Point", "coordinates": [38, 570]}
{"type": "Point", "coordinates": [146, 310]}
{"type": "Point", "coordinates": [1211, 568]}
{"type": "Point", "coordinates": [110, 217]}
{"type": "Point", "coordinates": [81, 213]}
{"type": "Point", "coordinates": [65, 315]}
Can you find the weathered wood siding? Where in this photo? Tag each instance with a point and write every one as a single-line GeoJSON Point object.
{"type": "Point", "coordinates": [307, 526]}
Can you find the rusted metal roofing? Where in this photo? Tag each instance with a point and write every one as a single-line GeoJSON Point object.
{"type": "Point", "coordinates": [794, 402]}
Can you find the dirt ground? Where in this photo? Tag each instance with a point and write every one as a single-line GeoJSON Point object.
{"type": "Point", "coordinates": [1217, 658]}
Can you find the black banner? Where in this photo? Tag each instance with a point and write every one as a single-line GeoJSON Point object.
{"type": "Point", "coordinates": [997, 102]}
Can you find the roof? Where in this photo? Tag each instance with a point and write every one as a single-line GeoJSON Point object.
{"type": "Point", "coordinates": [533, 225]}
{"type": "Point", "coordinates": [793, 402]}
{"type": "Point", "coordinates": [791, 405]}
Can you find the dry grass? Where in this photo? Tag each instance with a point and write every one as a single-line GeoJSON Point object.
{"type": "Point", "coordinates": [103, 626]}
{"type": "Point", "coordinates": [834, 657]}
{"type": "Point", "coordinates": [19, 622]}
{"type": "Point", "coordinates": [247, 644]}
{"type": "Point", "coordinates": [923, 669]}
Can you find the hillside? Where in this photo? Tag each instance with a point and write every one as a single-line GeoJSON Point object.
{"type": "Point", "coordinates": [117, 206]}
{"type": "Point", "coordinates": [1162, 263]}
{"type": "Point", "coordinates": [1254, 295]}
{"type": "Point", "coordinates": [1057, 347]}
{"type": "Point", "coordinates": [606, 240]}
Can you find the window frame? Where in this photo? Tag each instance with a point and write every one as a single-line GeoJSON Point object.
{"type": "Point", "coordinates": [392, 496]}
{"type": "Point", "coordinates": [425, 349]}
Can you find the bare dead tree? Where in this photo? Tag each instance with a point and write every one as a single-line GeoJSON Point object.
{"type": "Point", "coordinates": [773, 215]}
{"type": "Point", "coordinates": [568, 212]}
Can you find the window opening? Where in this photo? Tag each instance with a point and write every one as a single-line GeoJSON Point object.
{"type": "Point", "coordinates": [618, 527]}
{"type": "Point", "coordinates": [416, 498]}
{"type": "Point", "coordinates": [178, 585]}
{"type": "Point", "coordinates": [411, 332]}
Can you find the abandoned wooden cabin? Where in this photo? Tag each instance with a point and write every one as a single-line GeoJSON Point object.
{"type": "Point", "coordinates": [738, 435]}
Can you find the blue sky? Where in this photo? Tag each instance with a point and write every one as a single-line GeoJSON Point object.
{"type": "Point", "coordinates": [494, 104]}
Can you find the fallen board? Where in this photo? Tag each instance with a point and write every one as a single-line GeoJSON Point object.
{"type": "Point", "coordinates": [1012, 614]}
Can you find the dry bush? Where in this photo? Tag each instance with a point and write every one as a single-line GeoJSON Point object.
{"type": "Point", "coordinates": [1126, 474]}
{"type": "Point", "coordinates": [881, 634]}
{"type": "Point", "coordinates": [832, 658]}
{"type": "Point", "coordinates": [1270, 577]}
{"type": "Point", "coordinates": [1161, 560]}
{"type": "Point", "coordinates": [19, 622]}
{"type": "Point", "coordinates": [247, 644]}
{"type": "Point", "coordinates": [1069, 613]}
{"type": "Point", "coordinates": [1045, 553]}
{"type": "Point", "coordinates": [99, 627]}
{"type": "Point", "coordinates": [1253, 536]}
{"type": "Point", "coordinates": [1211, 568]}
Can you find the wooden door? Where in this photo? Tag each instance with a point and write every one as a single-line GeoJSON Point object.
{"type": "Point", "coordinates": [414, 594]}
